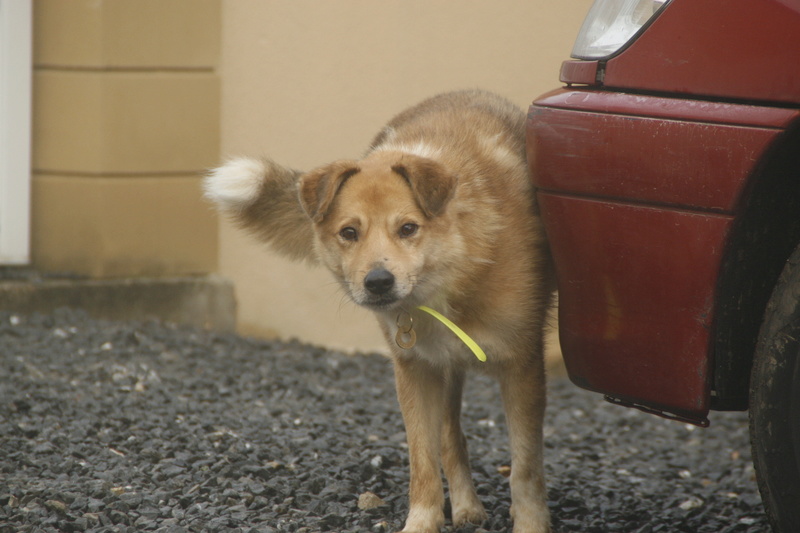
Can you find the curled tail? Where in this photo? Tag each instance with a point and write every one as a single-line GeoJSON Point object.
{"type": "Point", "coordinates": [261, 197]}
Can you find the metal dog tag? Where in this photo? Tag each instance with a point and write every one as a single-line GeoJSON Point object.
{"type": "Point", "coordinates": [406, 337]}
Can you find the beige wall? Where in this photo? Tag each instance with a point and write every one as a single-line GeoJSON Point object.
{"type": "Point", "coordinates": [307, 82]}
{"type": "Point", "coordinates": [126, 106]}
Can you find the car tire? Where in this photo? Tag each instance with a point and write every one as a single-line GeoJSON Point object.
{"type": "Point", "coordinates": [775, 402]}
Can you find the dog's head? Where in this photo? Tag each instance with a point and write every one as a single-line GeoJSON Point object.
{"type": "Point", "coordinates": [380, 223]}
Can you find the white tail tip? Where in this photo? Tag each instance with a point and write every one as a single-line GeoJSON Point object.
{"type": "Point", "coordinates": [236, 183]}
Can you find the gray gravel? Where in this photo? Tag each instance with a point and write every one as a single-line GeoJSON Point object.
{"type": "Point", "coordinates": [151, 427]}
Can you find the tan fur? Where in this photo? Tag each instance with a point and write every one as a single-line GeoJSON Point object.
{"type": "Point", "coordinates": [442, 205]}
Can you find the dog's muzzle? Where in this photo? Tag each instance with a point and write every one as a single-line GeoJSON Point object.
{"type": "Point", "coordinates": [379, 282]}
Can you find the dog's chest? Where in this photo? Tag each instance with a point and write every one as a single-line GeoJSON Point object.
{"type": "Point", "coordinates": [432, 341]}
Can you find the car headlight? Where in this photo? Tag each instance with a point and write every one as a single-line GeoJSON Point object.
{"type": "Point", "coordinates": [611, 24]}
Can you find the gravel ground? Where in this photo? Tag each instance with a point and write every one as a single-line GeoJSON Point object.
{"type": "Point", "coordinates": [150, 427]}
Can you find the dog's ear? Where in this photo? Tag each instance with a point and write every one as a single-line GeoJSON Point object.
{"type": "Point", "coordinates": [432, 184]}
{"type": "Point", "coordinates": [319, 187]}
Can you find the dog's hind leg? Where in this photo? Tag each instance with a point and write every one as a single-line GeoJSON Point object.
{"type": "Point", "coordinates": [523, 388]}
{"type": "Point", "coordinates": [420, 391]}
{"type": "Point", "coordinates": [466, 506]}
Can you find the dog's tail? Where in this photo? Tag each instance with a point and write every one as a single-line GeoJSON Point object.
{"type": "Point", "coordinates": [261, 197]}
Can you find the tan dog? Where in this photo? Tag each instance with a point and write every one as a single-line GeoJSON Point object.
{"type": "Point", "coordinates": [440, 212]}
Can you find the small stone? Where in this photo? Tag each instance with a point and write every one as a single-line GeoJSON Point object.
{"type": "Point", "coordinates": [79, 524]}
{"type": "Point", "coordinates": [55, 505]}
{"type": "Point", "coordinates": [691, 503]}
{"type": "Point", "coordinates": [504, 470]}
{"type": "Point", "coordinates": [118, 517]}
{"type": "Point", "coordinates": [381, 527]}
{"type": "Point", "coordinates": [369, 500]}
{"type": "Point", "coordinates": [133, 499]}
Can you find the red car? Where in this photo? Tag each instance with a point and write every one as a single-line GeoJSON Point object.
{"type": "Point", "coordinates": [668, 176]}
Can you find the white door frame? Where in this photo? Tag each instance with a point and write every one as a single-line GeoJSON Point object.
{"type": "Point", "coordinates": [15, 130]}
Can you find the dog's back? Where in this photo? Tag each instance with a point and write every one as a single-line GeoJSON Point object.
{"type": "Point", "coordinates": [458, 115]}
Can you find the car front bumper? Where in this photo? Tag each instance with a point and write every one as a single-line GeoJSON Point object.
{"type": "Point", "coordinates": [638, 194]}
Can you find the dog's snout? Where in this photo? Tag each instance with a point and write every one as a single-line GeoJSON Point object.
{"type": "Point", "coordinates": [379, 281]}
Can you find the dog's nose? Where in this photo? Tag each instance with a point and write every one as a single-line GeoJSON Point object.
{"type": "Point", "coordinates": [379, 281]}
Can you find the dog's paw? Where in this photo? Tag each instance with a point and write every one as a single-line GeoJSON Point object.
{"type": "Point", "coordinates": [236, 183]}
{"type": "Point", "coordinates": [415, 529]}
{"type": "Point", "coordinates": [470, 515]}
{"type": "Point", "coordinates": [424, 520]}
{"type": "Point", "coordinates": [535, 529]}
{"type": "Point", "coordinates": [406, 529]}
{"type": "Point", "coordinates": [532, 523]}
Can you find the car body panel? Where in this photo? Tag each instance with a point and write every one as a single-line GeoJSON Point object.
{"type": "Point", "coordinates": [666, 155]}
{"type": "Point", "coordinates": [667, 107]}
{"type": "Point", "coordinates": [736, 49]}
{"type": "Point", "coordinates": [638, 194]}
{"type": "Point", "coordinates": [650, 350]}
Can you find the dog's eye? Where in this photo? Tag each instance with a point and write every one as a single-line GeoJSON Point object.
{"type": "Point", "coordinates": [348, 234]}
{"type": "Point", "coordinates": [407, 230]}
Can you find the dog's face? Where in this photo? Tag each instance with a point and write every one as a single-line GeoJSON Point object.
{"type": "Point", "coordinates": [380, 223]}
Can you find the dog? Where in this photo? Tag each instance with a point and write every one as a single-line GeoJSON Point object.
{"type": "Point", "coordinates": [439, 214]}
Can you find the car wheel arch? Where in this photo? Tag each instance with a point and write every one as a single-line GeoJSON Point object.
{"type": "Point", "coordinates": [765, 232]}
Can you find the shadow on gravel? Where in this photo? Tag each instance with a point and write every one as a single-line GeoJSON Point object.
{"type": "Point", "coordinates": [147, 427]}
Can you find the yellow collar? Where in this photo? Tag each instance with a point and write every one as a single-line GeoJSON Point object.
{"type": "Point", "coordinates": [406, 337]}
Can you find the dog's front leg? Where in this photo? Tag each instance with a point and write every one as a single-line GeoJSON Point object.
{"type": "Point", "coordinates": [523, 388]}
{"type": "Point", "coordinates": [467, 509]}
{"type": "Point", "coordinates": [420, 390]}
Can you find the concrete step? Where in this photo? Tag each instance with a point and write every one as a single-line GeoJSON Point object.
{"type": "Point", "coordinates": [202, 301]}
